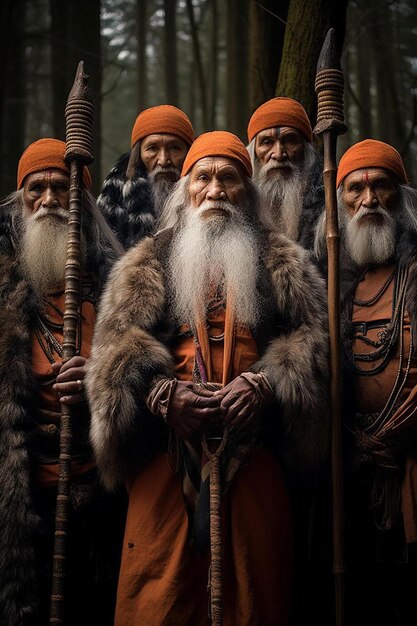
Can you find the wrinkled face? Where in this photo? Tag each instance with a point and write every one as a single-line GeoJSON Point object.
{"type": "Point", "coordinates": [216, 180]}
{"type": "Point", "coordinates": [279, 145]}
{"type": "Point", "coordinates": [164, 151]}
{"type": "Point", "coordinates": [47, 189]}
{"type": "Point", "coordinates": [368, 189]}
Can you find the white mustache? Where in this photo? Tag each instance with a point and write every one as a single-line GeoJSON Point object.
{"type": "Point", "coordinates": [278, 165]}
{"type": "Point", "coordinates": [222, 205]}
{"type": "Point", "coordinates": [44, 212]}
{"type": "Point", "coordinates": [364, 211]}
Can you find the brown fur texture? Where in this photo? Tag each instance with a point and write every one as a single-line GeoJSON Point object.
{"type": "Point", "coordinates": [131, 345]}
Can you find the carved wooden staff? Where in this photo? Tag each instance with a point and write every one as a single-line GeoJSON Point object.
{"type": "Point", "coordinates": [330, 124]}
{"type": "Point", "coordinates": [79, 121]}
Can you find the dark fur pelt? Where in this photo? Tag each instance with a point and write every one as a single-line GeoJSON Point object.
{"type": "Point", "coordinates": [313, 206]}
{"type": "Point", "coordinates": [127, 205]}
{"type": "Point", "coordinates": [19, 523]}
{"type": "Point", "coordinates": [131, 345]}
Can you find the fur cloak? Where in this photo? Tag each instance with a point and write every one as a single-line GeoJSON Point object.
{"type": "Point", "coordinates": [131, 345]}
{"type": "Point", "coordinates": [127, 205]}
{"type": "Point", "coordinates": [19, 523]}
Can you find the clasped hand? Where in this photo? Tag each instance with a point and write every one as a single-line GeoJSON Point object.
{"type": "Point", "coordinates": [193, 408]}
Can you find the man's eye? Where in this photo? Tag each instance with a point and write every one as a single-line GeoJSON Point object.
{"type": "Point", "coordinates": [202, 177]}
{"type": "Point", "coordinates": [35, 188]}
{"type": "Point", "coordinates": [266, 142]}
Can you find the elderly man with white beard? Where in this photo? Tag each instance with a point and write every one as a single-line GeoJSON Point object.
{"type": "Point", "coordinates": [287, 167]}
{"type": "Point", "coordinates": [136, 188]}
{"type": "Point", "coordinates": [205, 331]}
{"type": "Point", "coordinates": [378, 221]}
{"type": "Point", "coordinates": [34, 384]}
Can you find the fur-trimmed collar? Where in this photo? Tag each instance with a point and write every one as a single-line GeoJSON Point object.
{"type": "Point", "coordinates": [127, 205]}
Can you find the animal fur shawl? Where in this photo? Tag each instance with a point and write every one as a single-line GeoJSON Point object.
{"type": "Point", "coordinates": [18, 522]}
{"type": "Point", "coordinates": [127, 205]}
{"type": "Point", "coordinates": [131, 345]}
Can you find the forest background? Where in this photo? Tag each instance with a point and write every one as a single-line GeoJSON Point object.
{"type": "Point", "coordinates": [216, 59]}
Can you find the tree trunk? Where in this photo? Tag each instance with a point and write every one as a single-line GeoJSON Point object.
{"type": "Point", "coordinates": [213, 63]}
{"type": "Point", "coordinates": [267, 29]}
{"type": "Point", "coordinates": [307, 25]}
{"type": "Point", "coordinates": [237, 67]}
{"type": "Point", "coordinates": [170, 40]}
{"type": "Point", "coordinates": [141, 27]}
{"type": "Point", "coordinates": [199, 64]}
{"type": "Point", "coordinates": [13, 92]}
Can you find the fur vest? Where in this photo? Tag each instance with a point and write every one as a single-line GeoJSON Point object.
{"type": "Point", "coordinates": [131, 344]}
{"type": "Point", "coordinates": [313, 206]}
{"type": "Point", "coordinates": [127, 205]}
{"type": "Point", "coordinates": [19, 523]}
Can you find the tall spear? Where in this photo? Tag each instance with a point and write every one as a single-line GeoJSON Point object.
{"type": "Point", "coordinates": [79, 138]}
{"type": "Point", "coordinates": [330, 124]}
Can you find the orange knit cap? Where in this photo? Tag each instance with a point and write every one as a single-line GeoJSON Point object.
{"type": "Point", "coordinates": [371, 153]}
{"type": "Point", "coordinates": [45, 154]}
{"type": "Point", "coordinates": [217, 143]}
{"type": "Point", "coordinates": [162, 119]}
{"type": "Point", "coordinates": [280, 112]}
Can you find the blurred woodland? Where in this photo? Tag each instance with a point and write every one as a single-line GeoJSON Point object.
{"type": "Point", "coordinates": [217, 60]}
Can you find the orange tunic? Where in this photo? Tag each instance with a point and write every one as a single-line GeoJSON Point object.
{"type": "Point", "coordinates": [372, 392]}
{"type": "Point", "coordinates": [49, 408]}
{"type": "Point", "coordinates": [162, 581]}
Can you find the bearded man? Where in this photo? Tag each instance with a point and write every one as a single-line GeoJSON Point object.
{"type": "Point", "coordinates": [34, 385]}
{"type": "Point", "coordinates": [205, 335]}
{"type": "Point", "coordinates": [378, 215]}
{"type": "Point", "coordinates": [287, 168]}
{"type": "Point", "coordinates": [136, 188]}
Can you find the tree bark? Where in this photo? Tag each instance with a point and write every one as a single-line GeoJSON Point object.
{"type": "Point", "coordinates": [266, 40]}
{"type": "Point", "coordinates": [237, 67]}
{"type": "Point", "coordinates": [199, 64]}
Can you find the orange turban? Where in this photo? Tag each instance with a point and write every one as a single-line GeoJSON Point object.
{"type": "Point", "coordinates": [280, 112]}
{"type": "Point", "coordinates": [217, 143]}
{"type": "Point", "coordinates": [371, 153]}
{"type": "Point", "coordinates": [45, 154]}
{"type": "Point", "coordinates": [162, 119]}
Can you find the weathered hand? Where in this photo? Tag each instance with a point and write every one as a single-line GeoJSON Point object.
{"type": "Point", "coordinates": [69, 377]}
{"type": "Point", "coordinates": [239, 402]}
{"type": "Point", "coordinates": [191, 409]}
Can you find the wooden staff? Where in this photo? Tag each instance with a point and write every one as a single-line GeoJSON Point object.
{"type": "Point", "coordinates": [330, 124]}
{"type": "Point", "coordinates": [79, 121]}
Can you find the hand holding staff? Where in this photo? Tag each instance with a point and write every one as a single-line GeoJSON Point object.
{"type": "Point", "coordinates": [330, 123]}
{"type": "Point", "coordinates": [79, 122]}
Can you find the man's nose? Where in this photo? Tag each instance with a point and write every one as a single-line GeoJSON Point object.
{"type": "Point", "coordinates": [279, 152]}
{"type": "Point", "coordinates": [369, 198]}
{"type": "Point", "coordinates": [49, 198]}
{"type": "Point", "coordinates": [215, 191]}
{"type": "Point", "coordinates": [164, 158]}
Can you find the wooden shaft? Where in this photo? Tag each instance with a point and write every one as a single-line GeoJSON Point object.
{"type": "Point", "coordinates": [71, 322]}
{"type": "Point", "coordinates": [216, 543]}
{"type": "Point", "coordinates": [333, 299]}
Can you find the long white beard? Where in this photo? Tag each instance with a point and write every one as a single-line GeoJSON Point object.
{"type": "Point", "coordinates": [162, 180]}
{"type": "Point", "coordinates": [44, 249]}
{"type": "Point", "coordinates": [370, 242]}
{"type": "Point", "coordinates": [212, 251]}
{"type": "Point", "coordinates": [282, 196]}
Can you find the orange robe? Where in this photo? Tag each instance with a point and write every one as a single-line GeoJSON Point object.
{"type": "Point", "coordinates": [49, 408]}
{"type": "Point", "coordinates": [372, 392]}
{"type": "Point", "coordinates": [162, 581]}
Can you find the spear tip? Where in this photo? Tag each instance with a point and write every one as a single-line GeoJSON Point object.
{"type": "Point", "coordinates": [329, 56]}
{"type": "Point", "coordinates": [80, 90]}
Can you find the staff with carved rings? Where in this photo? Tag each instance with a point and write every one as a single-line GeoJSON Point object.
{"type": "Point", "coordinates": [330, 124]}
{"type": "Point", "coordinates": [79, 121]}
